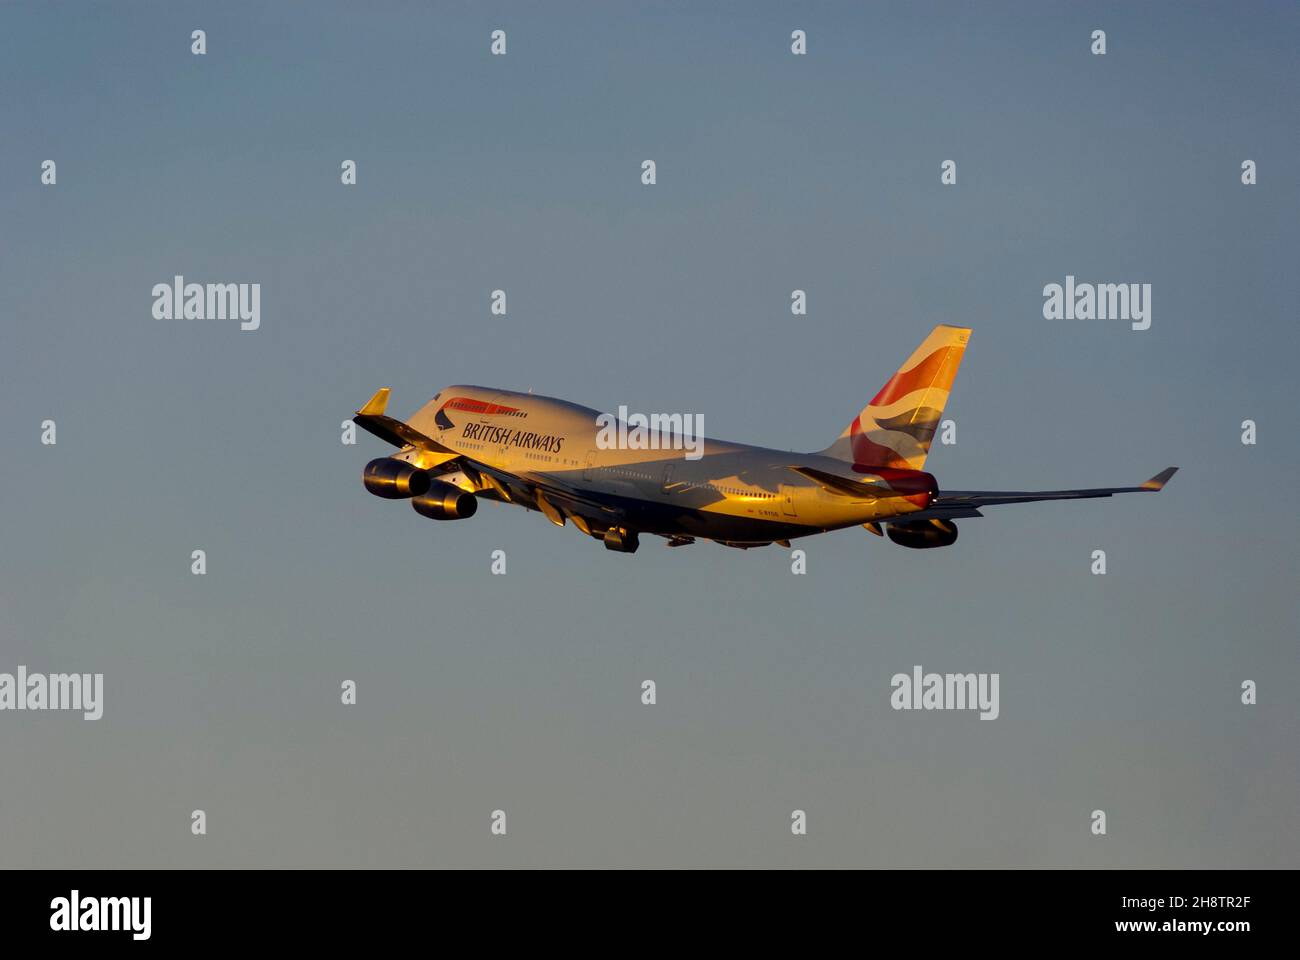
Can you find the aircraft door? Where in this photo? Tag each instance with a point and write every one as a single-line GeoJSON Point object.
{"type": "Point", "coordinates": [787, 500]}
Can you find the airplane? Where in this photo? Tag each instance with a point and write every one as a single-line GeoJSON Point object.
{"type": "Point", "coordinates": [470, 443]}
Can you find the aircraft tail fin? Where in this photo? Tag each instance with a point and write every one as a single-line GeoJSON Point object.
{"type": "Point", "coordinates": [895, 428]}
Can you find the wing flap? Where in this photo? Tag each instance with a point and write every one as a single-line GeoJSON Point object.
{"type": "Point", "coordinates": [935, 513]}
{"type": "Point", "coordinates": [568, 497]}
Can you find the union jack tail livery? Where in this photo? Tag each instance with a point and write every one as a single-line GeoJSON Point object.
{"type": "Point", "coordinates": [895, 428]}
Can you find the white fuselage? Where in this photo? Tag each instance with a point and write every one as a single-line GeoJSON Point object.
{"type": "Point", "coordinates": [733, 492]}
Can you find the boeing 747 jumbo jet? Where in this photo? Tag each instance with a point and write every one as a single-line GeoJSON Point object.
{"type": "Point", "coordinates": [577, 465]}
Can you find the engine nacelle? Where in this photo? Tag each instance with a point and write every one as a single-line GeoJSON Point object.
{"type": "Point", "coordinates": [923, 534]}
{"type": "Point", "coordinates": [443, 501]}
{"type": "Point", "coordinates": [395, 479]}
{"type": "Point", "coordinates": [621, 540]}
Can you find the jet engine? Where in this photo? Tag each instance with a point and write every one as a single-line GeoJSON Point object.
{"type": "Point", "coordinates": [621, 540]}
{"type": "Point", "coordinates": [443, 501]}
{"type": "Point", "coordinates": [923, 534]}
{"type": "Point", "coordinates": [395, 479]}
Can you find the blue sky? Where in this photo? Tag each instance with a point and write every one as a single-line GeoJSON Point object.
{"type": "Point", "coordinates": [775, 172]}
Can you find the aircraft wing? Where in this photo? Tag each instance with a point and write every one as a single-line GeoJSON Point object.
{"type": "Point", "coordinates": [956, 504]}
{"type": "Point", "coordinates": [371, 418]}
{"type": "Point", "coordinates": [563, 493]}
{"type": "Point", "coordinates": [512, 487]}
{"type": "Point", "coordinates": [952, 500]}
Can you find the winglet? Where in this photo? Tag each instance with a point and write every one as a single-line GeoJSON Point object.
{"type": "Point", "coordinates": [371, 418]}
{"type": "Point", "coordinates": [376, 405]}
{"type": "Point", "coordinates": [1157, 483]}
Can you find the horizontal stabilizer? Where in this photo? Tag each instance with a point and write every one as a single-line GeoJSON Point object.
{"type": "Point", "coordinates": [842, 486]}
